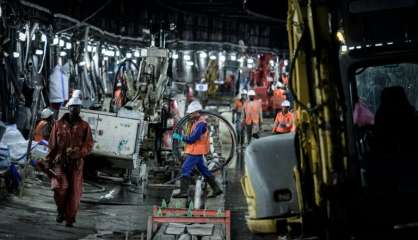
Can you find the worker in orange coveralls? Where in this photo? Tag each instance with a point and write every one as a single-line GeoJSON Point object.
{"type": "Point", "coordinates": [284, 120]}
{"type": "Point", "coordinates": [71, 140]}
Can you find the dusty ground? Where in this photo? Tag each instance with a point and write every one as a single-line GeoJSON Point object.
{"type": "Point", "coordinates": [108, 211]}
{"type": "Point", "coordinates": [33, 215]}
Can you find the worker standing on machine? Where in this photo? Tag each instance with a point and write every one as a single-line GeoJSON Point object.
{"type": "Point", "coordinates": [197, 145]}
{"type": "Point", "coordinates": [44, 127]}
{"type": "Point", "coordinates": [284, 120]}
{"type": "Point", "coordinates": [238, 114]}
{"type": "Point", "coordinates": [71, 140]}
{"type": "Point", "coordinates": [253, 116]}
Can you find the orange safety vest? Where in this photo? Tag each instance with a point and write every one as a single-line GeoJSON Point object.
{"type": "Point", "coordinates": [201, 146]}
{"type": "Point", "coordinates": [283, 118]}
{"type": "Point", "coordinates": [38, 136]}
{"type": "Point", "coordinates": [279, 95]}
{"type": "Point", "coordinates": [238, 105]}
{"type": "Point", "coordinates": [252, 112]}
{"type": "Point", "coordinates": [118, 97]}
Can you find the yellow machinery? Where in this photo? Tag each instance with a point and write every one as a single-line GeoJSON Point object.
{"type": "Point", "coordinates": [314, 51]}
{"type": "Point", "coordinates": [329, 180]}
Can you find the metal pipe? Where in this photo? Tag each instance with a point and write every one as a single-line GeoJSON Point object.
{"type": "Point", "coordinates": [35, 105]}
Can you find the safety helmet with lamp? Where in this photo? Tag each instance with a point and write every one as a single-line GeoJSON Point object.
{"type": "Point", "coordinates": [194, 107]}
{"type": "Point", "coordinates": [251, 93]}
{"type": "Point", "coordinates": [285, 103]}
{"type": "Point", "coordinates": [74, 101]}
{"type": "Point", "coordinates": [46, 113]}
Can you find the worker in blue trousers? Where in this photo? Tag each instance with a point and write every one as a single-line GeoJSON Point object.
{"type": "Point", "coordinates": [197, 145]}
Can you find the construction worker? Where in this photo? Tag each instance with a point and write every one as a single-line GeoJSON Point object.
{"type": "Point", "coordinates": [197, 145]}
{"type": "Point", "coordinates": [44, 127]}
{"type": "Point", "coordinates": [253, 116]}
{"type": "Point", "coordinates": [285, 79]}
{"type": "Point", "coordinates": [76, 94]}
{"type": "Point", "coordinates": [279, 95]}
{"type": "Point", "coordinates": [118, 99]}
{"type": "Point", "coordinates": [284, 120]}
{"type": "Point", "coordinates": [70, 142]}
{"type": "Point", "coordinates": [238, 114]}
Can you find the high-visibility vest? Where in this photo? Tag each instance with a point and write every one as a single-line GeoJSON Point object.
{"type": "Point", "coordinates": [252, 112]}
{"type": "Point", "coordinates": [287, 119]}
{"type": "Point", "coordinates": [238, 105]}
{"type": "Point", "coordinates": [38, 136]}
{"type": "Point", "coordinates": [201, 146]}
{"type": "Point", "coordinates": [118, 97]}
{"type": "Point", "coordinates": [279, 95]}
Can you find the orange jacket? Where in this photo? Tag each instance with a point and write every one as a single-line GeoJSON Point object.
{"type": "Point", "coordinates": [238, 105]}
{"type": "Point", "coordinates": [201, 146]}
{"type": "Point", "coordinates": [252, 112]}
{"type": "Point", "coordinates": [283, 123]}
{"type": "Point", "coordinates": [279, 95]}
{"type": "Point", "coordinates": [118, 97]}
{"type": "Point", "coordinates": [39, 131]}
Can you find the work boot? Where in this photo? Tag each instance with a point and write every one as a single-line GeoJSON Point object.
{"type": "Point", "coordinates": [216, 190]}
{"type": "Point", "coordinates": [69, 225]}
{"type": "Point", "coordinates": [60, 217]}
{"type": "Point", "coordinates": [184, 187]}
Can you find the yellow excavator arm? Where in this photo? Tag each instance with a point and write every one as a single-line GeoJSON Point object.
{"type": "Point", "coordinates": [314, 79]}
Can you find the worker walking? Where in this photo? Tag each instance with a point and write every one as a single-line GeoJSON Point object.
{"type": "Point", "coordinates": [71, 140]}
{"type": "Point", "coordinates": [238, 114]}
{"type": "Point", "coordinates": [44, 126]}
{"type": "Point", "coordinates": [253, 116]}
{"type": "Point", "coordinates": [279, 95]}
{"type": "Point", "coordinates": [197, 145]}
{"type": "Point", "coordinates": [284, 120]}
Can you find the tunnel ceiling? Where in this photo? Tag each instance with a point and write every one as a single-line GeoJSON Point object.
{"type": "Point", "coordinates": [195, 20]}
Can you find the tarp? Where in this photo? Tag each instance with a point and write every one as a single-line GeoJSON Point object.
{"type": "Point", "coordinates": [58, 84]}
{"type": "Point", "coordinates": [17, 145]}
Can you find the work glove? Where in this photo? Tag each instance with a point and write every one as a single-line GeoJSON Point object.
{"type": "Point", "coordinates": [74, 153]}
{"type": "Point", "coordinates": [178, 137]}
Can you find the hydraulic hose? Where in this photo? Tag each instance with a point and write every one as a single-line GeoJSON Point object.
{"type": "Point", "coordinates": [231, 130]}
{"type": "Point", "coordinates": [43, 56]}
{"type": "Point", "coordinates": [115, 80]}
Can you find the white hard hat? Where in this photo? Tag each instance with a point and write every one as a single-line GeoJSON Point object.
{"type": "Point", "coordinates": [279, 84]}
{"type": "Point", "coordinates": [243, 91]}
{"type": "Point", "coordinates": [194, 107]}
{"type": "Point", "coordinates": [46, 113]}
{"type": "Point", "coordinates": [76, 93]}
{"type": "Point", "coordinates": [74, 101]}
{"type": "Point", "coordinates": [285, 103]}
{"type": "Point", "coordinates": [251, 93]}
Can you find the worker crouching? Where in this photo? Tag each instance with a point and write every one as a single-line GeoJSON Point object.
{"type": "Point", "coordinates": [284, 120]}
{"type": "Point", "coordinates": [71, 140]}
{"type": "Point", "coordinates": [197, 145]}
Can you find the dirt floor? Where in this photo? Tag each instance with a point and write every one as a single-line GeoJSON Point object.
{"type": "Point", "coordinates": [108, 211]}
